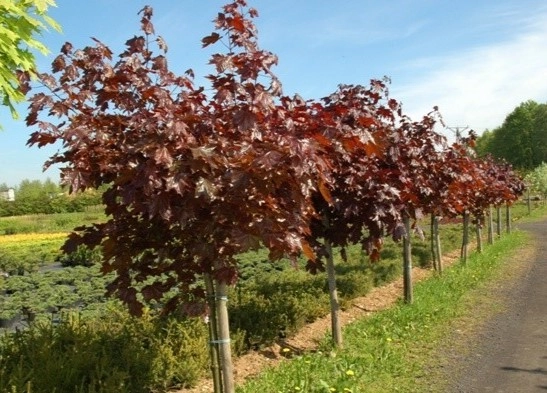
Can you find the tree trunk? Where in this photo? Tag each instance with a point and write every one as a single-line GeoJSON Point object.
{"type": "Point", "coordinates": [490, 226]}
{"type": "Point", "coordinates": [528, 201]}
{"type": "Point", "coordinates": [333, 294]}
{"type": "Point", "coordinates": [508, 218]}
{"type": "Point", "coordinates": [407, 263]}
{"type": "Point", "coordinates": [498, 224]}
{"type": "Point", "coordinates": [478, 229]}
{"type": "Point", "coordinates": [465, 241]}
{"type": "Point", "coordinates": [432, 241]}
{"type": "Point", "coordinates": [213, 334]}
{"type": "Point", "coordinates": [225, 350]}
{"type": "Point", "coordinates": [438, 245]}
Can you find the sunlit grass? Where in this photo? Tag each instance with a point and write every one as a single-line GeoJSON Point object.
{"type": "Point", "coordinates": [390, 350]}
{"type": "Point", "coordinates": [47, 223]}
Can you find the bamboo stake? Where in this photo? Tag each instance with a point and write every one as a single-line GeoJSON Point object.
{"type": "Point", "coordinates": [407, 263]}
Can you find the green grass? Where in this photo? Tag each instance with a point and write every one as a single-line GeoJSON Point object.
{"type": "Point", "coordinates": [519, 211]}
{"type": "Point", "coordinates": [46, 223]}
{"type": "Point", "coordinates": [391, 351]}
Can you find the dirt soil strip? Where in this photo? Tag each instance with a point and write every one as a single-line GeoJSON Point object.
{"type": "Point", "coordinates": [307, 338]}
{"type": "Point", "coordinates": [509, 353]}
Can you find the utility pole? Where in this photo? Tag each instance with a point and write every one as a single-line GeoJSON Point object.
{"type": "Point", "coordinates": [457, 130]}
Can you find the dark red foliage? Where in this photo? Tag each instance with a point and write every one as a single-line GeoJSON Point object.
{"type": "Point", "coordinates": [383, 168]}
{"type": "Point", "coordinates": [192, 180]}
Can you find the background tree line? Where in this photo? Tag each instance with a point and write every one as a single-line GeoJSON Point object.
{"type": "Point", "coordinates": [522, 138]}
{"type": "Point", "coordinates": [37, 197]}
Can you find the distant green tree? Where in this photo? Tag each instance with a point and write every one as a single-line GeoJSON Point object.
{"type": "Point", "coordinates": [45, 197]}
{"type": "Point", "coordinates": [539, 135]}
{"type": "Point", "coordinates": [482, 145]}
{"type": "Point", "coordinates": [522, 138]}
{"type": "Point", "coordinates": [30, 197]}
{"type": "Point", "coordinates": [537, 180]}
{"type": "Point", "coordinates": [20, 22]}
{"type": "Point", "coordinates": [35, 189]}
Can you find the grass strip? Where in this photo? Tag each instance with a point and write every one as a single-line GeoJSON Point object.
{"type": "Point", "coordinates": [392, 350]}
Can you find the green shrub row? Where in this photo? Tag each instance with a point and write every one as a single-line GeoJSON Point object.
{"type": "Point", "coordinates": [50, 291]}
{"type": "Point", "coordinates": [48, 204]}
{"type": "Point", "coordinates": [112, 352]}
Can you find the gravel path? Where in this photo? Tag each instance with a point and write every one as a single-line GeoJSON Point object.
{"type": "Point", "coordinates": [510, 353]}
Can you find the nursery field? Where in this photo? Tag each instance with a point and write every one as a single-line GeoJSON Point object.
{"type": "Point", "coordinates": [51, 303]}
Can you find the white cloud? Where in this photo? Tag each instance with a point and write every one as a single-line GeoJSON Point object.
{"type": "Point", "coordinates": [481, 86]}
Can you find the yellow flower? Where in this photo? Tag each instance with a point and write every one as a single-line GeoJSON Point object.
{"type": "Point", "coordinates": [286, 350]}
{"type": "Point", "coordinates": [32, 237]}
{"type": "Point", "coordinates": [332, 389]}
{"type": "Point", "coordinates": [350, 372]}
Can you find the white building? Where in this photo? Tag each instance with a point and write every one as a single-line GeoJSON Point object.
{"type": "Point", "coordinates": [8, 195]}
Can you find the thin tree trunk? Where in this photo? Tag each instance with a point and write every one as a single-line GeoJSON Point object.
{"type": "Point", "coordinates": [490, 226]}
{"type": "Point", "coordinates": [528, 201]}
{"type": "Point", "coordinates": [225, 349]}
{"type": "Point", "coordinates": [508, 218]}
{"type": "Point", "coordinates": [438, 245]}
{"type": "Point", "coordinates": [498, 224]}
{"type": "Point", "coordinates": [407, 263]}
{"type": "Point", "coordinates": [465, 241]}
{"type": "Point", "coordinates": [333, 294]}
{"type": "Point", "coordinates": [478, 229]}
{"type": "Point", "coordinates": [213, 334]}
{"type": "Point", "coordinates": [432, 242]}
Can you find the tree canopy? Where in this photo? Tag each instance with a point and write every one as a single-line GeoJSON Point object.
{"type": "Point", "coordinates": [194, 177]}
{"type": "Point", "coordinates": [537, 180]}
{"type": "Point", "coordinates": [20, 22]}
{"type": "Point", "coordinates": [522, 138]}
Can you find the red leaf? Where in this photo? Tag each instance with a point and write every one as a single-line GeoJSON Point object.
{"type": "Point", "coordinates": [366, 121]}
{"type": "Point", "coordinates": [308, 251]}
{"type": "Point", "coordinates": [194, 309]}
{"type": "Point", "coordinates": [325, 192]}
{"type": "Point", "coordinates": [245, 119]}
{"type": "Point", "coordinates": [66, 48]}
{"type": "Point", "coordinates": [41, 139]}
{"type": "Point", "coordinates": [23, 78]}
{"type": "Point", "coordinates": [147, 26]}
{"type": "Point", "coordinates": [253, 13]}
{"type": "Point", "coordinates": [159, 63]}
{"type": "Point", "coordinates": [237, 23]}
{"type": "Point", "coordinates": [58, 64]}
{"type": "Point", "coordinates": [135, 44]}
{"type": "Point", "coordinates": [323, 140]}
{"type": "Point", "coordinates": [352, 143]}
{"type": "Point", "coordinates": [372, 149]}
{"type": "Point", "coordinates": [163, 157]}
{"type": "Point", "coordinates": [147, 12]}
{"type": "Point", "coordinates": [375, 255]}
{"type": "Point", "coordinates": [162, 44]}
{"type": "Point", "coordinates": [315, 267]}
{"type": "Point", "coordinates": [210, 39]}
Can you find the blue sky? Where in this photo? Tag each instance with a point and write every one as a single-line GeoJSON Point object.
{"type": "Point", "coordinates": [476, 60]}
